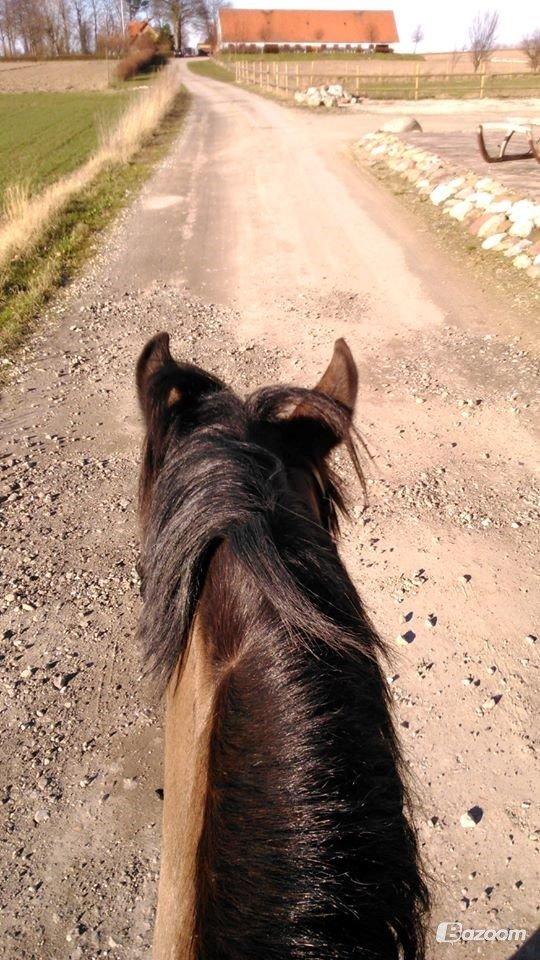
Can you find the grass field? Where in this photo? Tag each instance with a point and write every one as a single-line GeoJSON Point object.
{"type": "Point", "coordinates": [209, 68]}
{"type": "Point", "coordinates": [44, 238]}
{"type": "Point", "coordinates": [45, 135]}
{"type": "Point", "coordinates": [285, 78]}
{"type": "Point", "coordinates": [459, 87]}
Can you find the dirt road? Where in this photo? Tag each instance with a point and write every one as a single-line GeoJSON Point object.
{"type": "Point", "coordinates": [256, 243]}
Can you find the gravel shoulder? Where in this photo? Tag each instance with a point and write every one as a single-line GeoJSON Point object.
{"type": "Point", "coordinates": [256, 243]}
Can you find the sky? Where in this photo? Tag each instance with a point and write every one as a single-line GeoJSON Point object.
{"type": "Point", "coordinates": [445, 25]}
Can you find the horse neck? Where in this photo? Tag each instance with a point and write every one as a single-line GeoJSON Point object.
{"type": "Point", "coordinates": [277, 764]}
{"type": "Point", "coordinates": [188, 714]}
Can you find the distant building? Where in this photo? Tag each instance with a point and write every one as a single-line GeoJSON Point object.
{"type": "Point", "coordinates": [299, 29]}
{"type": "Point", "coordinates": [136, 29]}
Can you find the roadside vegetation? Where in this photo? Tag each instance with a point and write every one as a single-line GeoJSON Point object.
{"type": "Point", "coordinates": [211, 68]}
{"type": "Point", "coordinates": [44, 237]}
{"type": "Point", "coordinates": [44, 136]}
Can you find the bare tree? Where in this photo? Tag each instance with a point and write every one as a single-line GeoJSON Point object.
{"type": "Point", "coordinates": [531, 47]}
{"type": "Point", "coordinates": [180, 15]}
{"type": "Point", "coordinates": [482, 36]}
{"type": "Point", "coordinates": [417, 35]}
{"type": "Point", "coordinates": [210, 17]}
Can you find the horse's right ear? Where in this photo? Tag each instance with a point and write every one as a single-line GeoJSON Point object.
{"type": "Point", "coordinates": [162, 383]}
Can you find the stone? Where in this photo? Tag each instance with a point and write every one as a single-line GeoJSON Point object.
{"type": "Point", "coordinates": [522, 261]}
{"type": "Point", "coordinates": [490, 224]}
{"type": "Point", "coordinates": [336, 90]}
{"type": "Point", "coordinates": [472, 818]}
{"type": "Point", "coordinates": [445, 190]}
{"type": "Point", "coordinates": [314, 100]}
{"type": "Point", "coordinates": [516, 248]}
{"type": "Point", "coordinates": [521, 228]}
{"type": "Point", "coordinates": [491, 702]}
{"type": "Point", "coordinates": [461, 209]}
{"type": "Point", "coordinates": [299, 96]}
{"type": "Point", "coordinates": [500, 206]}
{"type": "Point", "coordinates": [401, 125]}
{"type": "Point", "coordinates": [481, 199]}
{"type": "Point", "coordinates": [486, 183]}
{"type": "Point", "coordinates": [522, 210]}
{"type": "Point", "coordinates": [493, 241]}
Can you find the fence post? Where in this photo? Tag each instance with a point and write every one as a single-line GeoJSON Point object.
{"type": "Point", "coordinates": [482, 78]}
{"type": "Point", "coordinates": [312, 67]}
{"type": "Point", "coordinates": [416, 81]}
{"type": "Point", "coordinates": [297, 75]}
{"type": "Point", "coordinates": [286, 77]}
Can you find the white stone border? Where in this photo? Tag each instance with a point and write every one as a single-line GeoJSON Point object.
{"type": "Point", "coordinates": [504, 223]}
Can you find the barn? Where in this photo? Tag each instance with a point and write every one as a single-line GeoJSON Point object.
{"type": "Point", "coordinates": [274, 30]}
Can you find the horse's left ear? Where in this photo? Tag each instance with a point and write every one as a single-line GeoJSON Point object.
{"type": "Point", "coordinates": [340, 380]}
{"type": "Point", "coordinates": [162, 383]}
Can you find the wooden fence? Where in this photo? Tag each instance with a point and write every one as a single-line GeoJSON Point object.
{"type": "Point", "coordinates": [285, 78]}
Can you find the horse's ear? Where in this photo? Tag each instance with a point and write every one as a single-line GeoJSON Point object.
{"type": "Point", "coordinates": [162, 383]}
{"type": "Point", "coordinates": [324, 426]}
{"type": "Point", "coordinates": [340, 380]}
{"type": "Point", "coordinates": [155, 356]}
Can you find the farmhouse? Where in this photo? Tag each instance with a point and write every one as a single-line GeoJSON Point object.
{"type": "Point", "coordinates": [273, 30]}
{"type": "Point", "coordinates": [139, 28]}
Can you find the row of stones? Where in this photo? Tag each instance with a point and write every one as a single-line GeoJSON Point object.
{"type": "Point", "coordinates": [504, 223]}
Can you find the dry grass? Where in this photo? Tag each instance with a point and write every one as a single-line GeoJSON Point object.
{"type": "Point", "coordinates": [25, 218]}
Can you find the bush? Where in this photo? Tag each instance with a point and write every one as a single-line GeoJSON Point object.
{"type": "Point", "coordinates": [143, 56]}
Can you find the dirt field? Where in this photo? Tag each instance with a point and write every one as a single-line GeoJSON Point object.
{"type": "Point", "coordinates": [55, 75]}
{"type": "Point", "coordinates": [446, 552]}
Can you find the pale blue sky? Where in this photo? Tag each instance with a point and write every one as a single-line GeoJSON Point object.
{"type": "Point", "coordinates": [445, 24]}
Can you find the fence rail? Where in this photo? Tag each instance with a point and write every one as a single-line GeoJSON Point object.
{"type": "Point", "coordinates": [288, 77]}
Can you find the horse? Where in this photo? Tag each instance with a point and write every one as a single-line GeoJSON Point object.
{"type": "Point", "coordinates": [287, 825]}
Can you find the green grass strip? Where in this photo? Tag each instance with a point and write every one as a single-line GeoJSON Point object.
{"type": "Point", "coordinates": [209, 68]}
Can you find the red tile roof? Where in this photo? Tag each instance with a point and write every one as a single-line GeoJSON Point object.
{"type": "Point", "coordinates": [136, 27]}
{"type": "Point", "coordinates": [307, 26]}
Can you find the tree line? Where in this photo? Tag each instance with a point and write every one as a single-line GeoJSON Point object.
{"type": "Point", "coordinates": [60, 28]}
